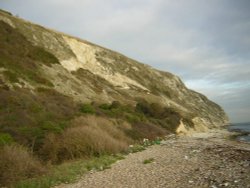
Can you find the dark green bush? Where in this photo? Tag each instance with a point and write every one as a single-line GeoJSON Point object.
{"type": "Point", "coordinates": [5, 138]}
{"type": "Point", "coordinates": [104, 106]}
{"type": "Point", "coordinates": [116, 104]}
{"type": "Point", "coordinates": [43, 56]}
{"type": "Point", "coordinates": [51, 127]}
{"type": "Point", "coordinates": [143, 107]}
{"type": "Point", "coordinates": [12, 77]}
{"type": "Point", "coordinates": [87, 108]}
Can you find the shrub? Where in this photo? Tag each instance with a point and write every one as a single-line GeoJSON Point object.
{"type": "Point", "coordinates": [16, 163]}
{"type": "Point", "coordinates": [5, 138]}
{"type": "Point", "coordinates": [133, 118]}
{"type": "Point", "coordinates": [142, 130]}
{"type": "Point", "coordinates": [143, 106]}
{"type": "Point", "coordinates": [87, 136]}
{"type": "Point", "coordinates": [43, 56]}
{"type": "Point", "coordinates": [89, 141]}
{"type": "Point", "coordinates": [115, 104]}
{"type": "Point", "coordinates": [87, 108]}
{"type": "Point", "coordinates": [156, 110]}
{"type": "Point", "coordinates": [12, 77]}
{"type": "Point", "coordinates": [51, 127]}
{"type": "Point", "coordinates": [105, 106]}
{"type": "Point", "coordinates": [136, 148]}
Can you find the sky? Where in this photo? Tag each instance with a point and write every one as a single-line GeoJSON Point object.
{"type": "Point", "coordinates": [206, 43]}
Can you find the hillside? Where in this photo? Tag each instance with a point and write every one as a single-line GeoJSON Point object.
{"type": "Point", "coordinates": [64, 98]}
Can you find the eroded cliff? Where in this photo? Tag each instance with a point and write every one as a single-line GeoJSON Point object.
{"type": "Point", "coordinates": [87, 73]}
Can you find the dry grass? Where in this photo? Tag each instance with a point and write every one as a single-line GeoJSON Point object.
{"type": "Point", "coordinates": [89, 141]}
{"type": "Point", "coordinates": [146, 130]}
{"type": "Point", "coordinates": [16, 163]}
{"type": "Point", "coordinates": [111, 126]}
{"type": "Point", "coordinates": [88, 136]}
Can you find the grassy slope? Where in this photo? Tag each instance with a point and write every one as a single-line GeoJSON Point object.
{"type": "Point", "coordinates": [44, 126]}
{"type": "Point", "coordinates": [40, 126]}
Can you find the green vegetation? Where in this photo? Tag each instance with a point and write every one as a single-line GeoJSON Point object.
{"type": "Point", "coordinates": [42, 127]}
{"type": "Point", "coordinates": [147, 161]}
{"type": "Point", "coordinates": [87, 108]}
{"type": "Point", "coordinates": [17, 163]}
{"type": "Point", "coordinates": [136, 148]}
{"type": "Point", "coordinates": [29, 118]}
{"type": "Point", "coordinates": [21, 58]}
{"type": "Point", "coordinates": [12, 77]}
{"type": "Point", "coordinates": [68, 172]}
{"type": "Point", "coordinates": [57, 130]}
{"type": "Point", "coordinates": [5, 139]}
{"type": "Point", "coordinates": [39, 54]}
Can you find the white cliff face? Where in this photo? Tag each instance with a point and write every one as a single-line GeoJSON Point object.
{"type": "Point", "coordinates": [7, 20]}
{"type": "Point", "coordinates": [86, 59]}
{"type": "Point", "coordinates": [199, 126]}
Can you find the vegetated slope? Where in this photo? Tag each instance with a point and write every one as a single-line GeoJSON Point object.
{"type": "Point", "coordinates": [65, 98]}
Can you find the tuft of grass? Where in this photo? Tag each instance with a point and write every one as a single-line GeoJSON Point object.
{"type": "Point", "coordinates": [136, 148]}
{"type": "Point", "coordinates": [17, 163]}
{"type": "Point", "coordinates": [68, 172]}
{"type": "Point", "coordinates": [147, 161]}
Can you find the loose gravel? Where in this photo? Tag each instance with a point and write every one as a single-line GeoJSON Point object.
{"type": "Point", "coordinates": [201, 160]}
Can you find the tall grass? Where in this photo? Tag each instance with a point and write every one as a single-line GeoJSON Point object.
{"type": "Point", "coordinates": [68, 172]}
{"type": "Point", "coordinates": [16, 163]}
{"type": "Point", "coordinates": [87, 136]}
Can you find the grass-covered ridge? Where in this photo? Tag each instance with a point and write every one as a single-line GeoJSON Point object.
{"type": "Point", "coordinates": [20, 60]}
{"type": "Point", "coordinates": [40, 126]}
{"type": "Point", "coordinates": [53, 119]}
{"type": "Point", "coordinates": [51, 128]}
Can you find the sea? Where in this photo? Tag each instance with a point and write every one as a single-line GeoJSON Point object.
{"type": "Point", "coordinates": [243, 128]}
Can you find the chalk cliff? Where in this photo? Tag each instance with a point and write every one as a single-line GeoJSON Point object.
{"type": "Point", "coordinates": [87, 73]}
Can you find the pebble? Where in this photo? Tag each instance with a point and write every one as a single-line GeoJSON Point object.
{"type": "Point", "coordinates": [216, 163]}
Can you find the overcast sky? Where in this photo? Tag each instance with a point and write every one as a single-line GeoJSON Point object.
{"type": "Point", "coordinates": [205, 42]}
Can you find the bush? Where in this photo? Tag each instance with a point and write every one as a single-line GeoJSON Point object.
{"type": "Point", "coordinates": [87, 108]}
{"type": "Point", "coordinates": [133, 118]}
{"type": "Point", "coordinates": [51, 127]}
{"type": "Point", "coordinates": [143, 130]}
{"type": "Point", "coordinates": [43, 56]}
{"type": "Point", "coordinates": [105, 106]}
{"type": "Point", "coordinates": [5, 138]}
{"type": "Point", "coordinates": [136, 148]}
{"type": "Point", "coordinates": [12, 77]}
{"type": "Point", "coordinates": [143, 107]}
{"type": "Point", "coordinates": [115, 104]}
{"type": "Point", "coordinates": [89, 141]}
{"type": "Point", "coordinates": [88, 136]}
{"type": "Point", "coordinates": [16, 163]}
{"type": "Point", "coordinates": [156, 110]}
